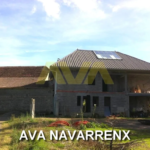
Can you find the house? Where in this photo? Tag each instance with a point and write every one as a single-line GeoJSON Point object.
{"type": "Point", "coordinates": [18, 85]}
{"type": "Point", "coordinates": [112, 81]}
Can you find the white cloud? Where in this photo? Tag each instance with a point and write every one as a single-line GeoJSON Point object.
{"type": "Point", "coordinates": [132, 4]}
{"type": "Point", "coordinates": [33, 10]}
{"type": "Point", "coordinates": [83, 5]}
{"type": "Point", "coordinates": [51, 7]}
{"type": "Point", "coordinates": [91, 7]}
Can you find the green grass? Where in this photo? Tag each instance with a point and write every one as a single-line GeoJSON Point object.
{"type": "Point", "coordinates": [9, 138]}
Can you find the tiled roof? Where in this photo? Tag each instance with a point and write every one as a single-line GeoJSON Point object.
{"type": "Point", "coordinates": [78, 57]}
{"type": "Point", "coordinates": [14, 77]}
{"type": "Point", "coordinates": [25, 71]}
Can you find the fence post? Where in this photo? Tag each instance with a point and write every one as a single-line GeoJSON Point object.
{"type": "Point", "coordinates": [32, 108]}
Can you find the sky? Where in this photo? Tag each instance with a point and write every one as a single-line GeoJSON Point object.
{"type": "Point", "coordinates": [34, 32]}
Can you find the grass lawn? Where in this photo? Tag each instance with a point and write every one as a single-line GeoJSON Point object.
{"type": "Point", "coordinates": [11, 131]}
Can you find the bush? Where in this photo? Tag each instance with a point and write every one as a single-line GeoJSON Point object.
{"type": "Point", "coordinates": [103, 125]}
{"type": "Point", "coordinates": [82, 127]}
{"type": "Point", "coordinates": [91, 125]}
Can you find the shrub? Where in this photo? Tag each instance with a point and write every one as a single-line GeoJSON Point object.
{"type": "Point", "coordinates": [82, 127]}
{"type": "Point", "coordinates": [91, 125]}
{"type": "Point", "coordinates": [103, 125]}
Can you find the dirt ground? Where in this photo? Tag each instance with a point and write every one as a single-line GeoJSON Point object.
{"type": "Point", "coordinates": [131, 124]}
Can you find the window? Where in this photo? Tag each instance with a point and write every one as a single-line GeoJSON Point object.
{"type": "Point", "coordinates": [95, 100]}
{"type": "Point", "coordinates": [107, 101]}
{"type": "Point", "coordinates": [78, 100]}
{"type": "Point", "coordinates": [91, 80]}
{"type": "Point", "coordinates": [107, 55]}
{"type": "Point", "coordinates": [105, 86]}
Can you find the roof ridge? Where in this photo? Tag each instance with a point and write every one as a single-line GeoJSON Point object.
{"type": "Point", "coordinates": [96, 50]}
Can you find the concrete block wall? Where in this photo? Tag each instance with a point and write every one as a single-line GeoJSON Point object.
{"type": "Point", "coordinates": [82, 87]}
{"type": "Point", "coordinates": [120, 101]}
{"type": "Point", "coordinates": [119, 84]}
{"type": "Point", "coordinates": [20, 99]}
{"type": "Point", "coordinates": [68, 103]}
{"type": "Point", "coordinates": [68, 100]}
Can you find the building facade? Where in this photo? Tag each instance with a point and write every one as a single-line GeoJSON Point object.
{"type": "Point", "coordinates": [18, 85]}
{"type": "Point", "coordinates": [129, 92]}
{"type": "Point", "coordinates": [108, 82]}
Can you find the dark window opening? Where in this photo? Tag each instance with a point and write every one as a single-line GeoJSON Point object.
{"type": "Point", "coordinates": [95, 100]}
{"type": "Point", "coordinates": [91, 80]}
{"type": "Point", "coordinates": [105, 87]}
{"type": "Point", "coordinates": [107, 106]}
{"type": "Point", "coordinates": [78, 100]}
{"type": "Point", "coordinates": [87, 106]}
